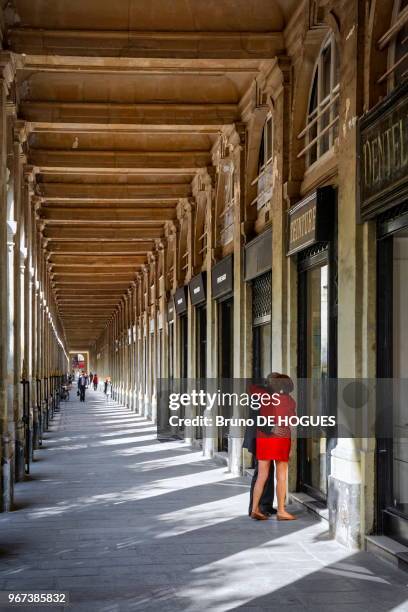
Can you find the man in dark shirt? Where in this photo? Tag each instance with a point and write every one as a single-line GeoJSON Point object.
{"type": "Point", "coordinates": [82, 387]}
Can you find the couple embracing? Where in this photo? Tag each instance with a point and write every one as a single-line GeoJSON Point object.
{"type": "Point", "coordinates": [270, 447]}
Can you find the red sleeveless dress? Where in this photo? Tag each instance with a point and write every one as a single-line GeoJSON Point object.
{"type": "Point", "coordinates": [274, 446]}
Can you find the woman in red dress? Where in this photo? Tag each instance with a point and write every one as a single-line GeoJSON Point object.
{"type": "Point", "coordinates": [273, 443]}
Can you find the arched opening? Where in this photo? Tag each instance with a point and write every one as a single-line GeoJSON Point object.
{"type": "Point", "coordinates": [322, 118]}
{"type": "Point", "coordinates": [264, 178]}
{"type": "Point", "coordinates": [396, 40]}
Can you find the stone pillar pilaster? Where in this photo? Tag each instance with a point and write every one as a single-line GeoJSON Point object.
{"type": "Point", "coordinates": [7, 72]}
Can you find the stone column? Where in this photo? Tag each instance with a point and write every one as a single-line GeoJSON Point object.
{"type": "Point", "coordinates": [6, 432]}
{"type": "Point", "coordinates": [29, 308]}
{"type": "Point", "coordinates": [19, 137]}
{"type": "Point", "coordinates": [34, 320]}
{"type": "Point", "coordinates": [126, 349]}
{"type": "Point", "coordinates": [210, 443]}
{"type": "Point", "coordinates": [242, 312]}
{"type": "Point", "coordinates": [145, 338]}
{"type": "Point", "coordinates": [154, 314]}
{"type": "Point", "coordinates": [139, 340]}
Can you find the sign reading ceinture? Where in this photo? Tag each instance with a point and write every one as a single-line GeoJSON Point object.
{"type": "Point", "coordinates": [383, 152]}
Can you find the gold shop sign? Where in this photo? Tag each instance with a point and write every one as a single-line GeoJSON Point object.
{"type": "Point", "coordinates": [309, 220]}
{"type": "Point", "coordinates": [383, 153]}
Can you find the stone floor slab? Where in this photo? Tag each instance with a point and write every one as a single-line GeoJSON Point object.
{"type": "Point", "coordinates": [126, 523]}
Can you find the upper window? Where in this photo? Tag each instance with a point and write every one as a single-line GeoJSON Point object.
{"type": "Point", "coordinates": [227, 215]}
{"type": "Point", "coordinates": [396, 39]}
{"type": "Point", "coordinates": [266, 148]}
{"type": "Point", "coordinates": [323, 111]}
{"type": "Point", "coordinates": [264, 178]}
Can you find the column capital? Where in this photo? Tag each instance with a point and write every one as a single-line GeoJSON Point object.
{"type": "Point", "coordinates": [8, 66]}
{"type": "Point", "coordinates": [21, 130]}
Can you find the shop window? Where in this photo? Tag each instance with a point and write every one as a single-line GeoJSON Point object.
{"type": "Point", "coordinates": [264, 178]}
{"type": "Point", "coordinates": [396, 41]}
{"type": "Point", "coordinates": [321, 127]}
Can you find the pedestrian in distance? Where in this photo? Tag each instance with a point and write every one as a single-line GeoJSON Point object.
{"type": "Point", "coordinates": [95, 382]}
{"type": "Point", "coordinates": [82, 387]}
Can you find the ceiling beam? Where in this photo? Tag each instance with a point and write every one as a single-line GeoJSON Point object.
{"type": "Point", "coordinates": [133, 233]}
{"type": "Point", "coordinates": [50, 214]}
{"type": "Point", "coordinates": [96, 247]}
{"type": "Point", "coordinates": [144, 45]}
{"type": "Point", "coordinates": [47, 127]}
{"type": "Point", "coordinates": [98, 192]}
{"type": "Point", "coordinates": [117, 259]}
{"type": "Point", "coordinates": [55, 158]}
{"type": "Point", "coordinates": [138, 114]}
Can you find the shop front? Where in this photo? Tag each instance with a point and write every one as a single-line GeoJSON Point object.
{"type": "Point", "coordinates": [312, 240]}
{"type": "Point", "coordinates": [258, 272]}
{"type": "Point", "coordinates": [180, 307]}
{"type": "Point", "coordinates": [383, 148]}
{"type": "Point", "coordinates": [197, 289]}
{"type": "Point", "coordinates": [222, 276]}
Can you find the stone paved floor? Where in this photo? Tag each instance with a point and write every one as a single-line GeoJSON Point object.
{"type": "Point", "coordinates": [124, 522]}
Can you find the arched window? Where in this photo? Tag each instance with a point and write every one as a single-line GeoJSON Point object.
{"type": "Point", "coordinates": [323, 110]}
{"type": "Point", "coordinates": [396, 39]}
{"type": "Point", "coordinates": [225, 206]}
{"type": "Point", "coordinates": [264, 178]}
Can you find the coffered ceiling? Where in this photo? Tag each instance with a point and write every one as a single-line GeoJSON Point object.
{"type": "Point", "coordinates": [124, 102]}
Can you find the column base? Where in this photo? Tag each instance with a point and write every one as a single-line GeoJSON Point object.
{"type": "Point", "coordinates": [19, 461]}
{"type": "Point", "coordinates": [344, 512]}
{"type": "Point", "coordinates": [36, 431]}
{"type": "Point", "coordinates": [235, 456]}
{"type": "Point", "coordinates": [7, 474]}
{"type": "Point", "coordinates": [19, 453]}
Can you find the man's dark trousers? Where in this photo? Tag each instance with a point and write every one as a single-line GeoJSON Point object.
{"type": "Point", "coordinates": [81, 393]}
{"type": "Point", "coordinates": [266, 502]}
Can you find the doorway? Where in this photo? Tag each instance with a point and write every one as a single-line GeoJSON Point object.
{"type": "Point", "coordinates": [392, 365]}
{"type": "Point", "coordinates": [317, 363]}
{"type": "Point", "coordinates": [225, 361]}
{"type": "Point", "coordinates": [201, 358]}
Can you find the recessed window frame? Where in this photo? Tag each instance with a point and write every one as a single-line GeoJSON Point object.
{"type": "Point", "coordinates": [265, 157]}
{"type": "Point", "coordinates": [321, 129]}
{"type": "Point", "coordinates": [396, 41]}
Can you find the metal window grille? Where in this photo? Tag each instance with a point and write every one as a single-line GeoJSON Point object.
{"type": "Point", "coordinates": [262, 299]}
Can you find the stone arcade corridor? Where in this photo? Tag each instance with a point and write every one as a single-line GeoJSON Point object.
{"type": "Point", "coordinates": [126, 523]}
{"type": "Point", "coordinates": [202, 190]}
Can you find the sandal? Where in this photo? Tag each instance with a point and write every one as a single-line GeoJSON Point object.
{"type": "Point", "coordinates": [258, 516]}
{"type": "Point", "coordinates": [290, 517]}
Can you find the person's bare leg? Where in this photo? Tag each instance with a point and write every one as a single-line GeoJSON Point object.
{"type": "Point", "coordinates": [263, 472]}
{"type": "Point", "coordinates": [281, 489]}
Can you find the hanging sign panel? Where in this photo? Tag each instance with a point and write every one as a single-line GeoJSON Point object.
{"type": "Point", "coordinates": [383, 154]}
{"type": "Point", "coordinates": [197, 287]}
{"type": "Point", "coordinates": [180, 300]}
{"type": "Point", "coordinates": [222, 277]}
{"type": "Point", "coordinates": [258, 255]}
{"type": "Point", "coordinates": [310, 220]}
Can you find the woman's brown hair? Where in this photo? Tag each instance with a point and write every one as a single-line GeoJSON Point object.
{"type": "Point", "coordinates": [279, 383]}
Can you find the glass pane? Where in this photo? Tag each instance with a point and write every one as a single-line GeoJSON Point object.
{"type": "Point", "coordinates": [312, 133]}
{"type": "Point", "coordinates": [268, 139]}
{"type": "Point", "coordinates": [401, 49]}
{"type": "Point", "coordinates": [400, 371]}
{"type": "Point", "coordinates": [326, 70]}
{"type": "Point", "coordinates": [261, 159]}
{"type": "Point", "coordinates": [265, 340]}
{"type": "Point", "coordinates": [317, 363]}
